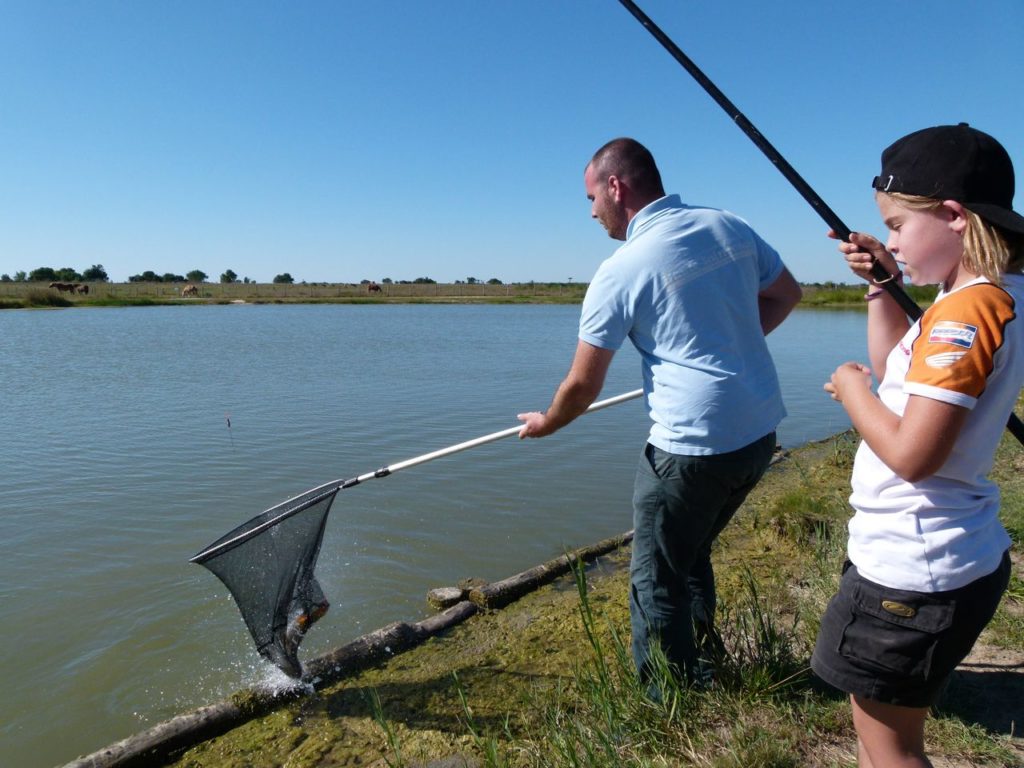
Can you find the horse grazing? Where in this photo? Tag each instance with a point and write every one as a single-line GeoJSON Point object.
{"type": "Point", "coordinates": [373, 288]}
{"type": "Point", "coordinates": [81, 288]}
{"type": "Point", "coordinates": [63, 287]}
{"type": "Point", "coordinates": [190, 290]}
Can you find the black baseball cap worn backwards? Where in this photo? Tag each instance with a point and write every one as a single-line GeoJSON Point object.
{"type": "Point", "coordinates": [954, 162]}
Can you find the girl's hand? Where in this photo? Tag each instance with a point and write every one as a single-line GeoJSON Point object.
{"type": "Point", "coordinates": [861, 251]}
{"type": "Point", "coordinates": [847, 376]}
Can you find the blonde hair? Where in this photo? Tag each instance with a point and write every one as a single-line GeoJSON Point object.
{"type": "Point", "coordinates": [989, 250]}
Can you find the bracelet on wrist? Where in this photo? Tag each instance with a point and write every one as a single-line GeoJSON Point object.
{"type": "Point", "coordinates": [897, 276]}
{"type": "Point", "coordinates": [872, 295]}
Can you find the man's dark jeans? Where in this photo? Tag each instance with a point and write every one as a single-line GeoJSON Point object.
{"type": "Point", "coordinates": [680, 505]}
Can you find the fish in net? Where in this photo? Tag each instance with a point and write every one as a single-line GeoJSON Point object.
{"type": "Point", "coordinates": [267, 564]}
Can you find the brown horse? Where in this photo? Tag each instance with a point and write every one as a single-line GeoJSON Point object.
{"type": "Point", "coordinates": [81, 288]}
{"type": "Point", "coordinates": [373, 288]}
{"type": "Point", "coordinates": [63, 287]}
{"type": "Point", "coordinates": [190, 290]}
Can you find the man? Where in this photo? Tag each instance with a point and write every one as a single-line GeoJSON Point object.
{"type": "Point", "coordinates": [695, 290]}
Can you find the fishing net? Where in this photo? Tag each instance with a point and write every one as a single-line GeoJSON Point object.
{"type": "Point", "coordinates": [267, 565]}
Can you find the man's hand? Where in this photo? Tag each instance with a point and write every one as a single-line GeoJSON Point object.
{"type": "Point", "coordinates": [535, 424]}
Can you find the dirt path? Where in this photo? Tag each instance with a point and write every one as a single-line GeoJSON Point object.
{"type": "Point", "coordinates": [988, 689]}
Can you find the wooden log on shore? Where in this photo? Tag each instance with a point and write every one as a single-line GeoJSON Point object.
{"type": "Point", "coordinates": [500, 593]}
{"type": "Point", "coordinates": [159, 743]}
{"type": "Point", "coordinates": [151, 747]}
{"type": "Point", "coordinates": [382, 644]}
{"type": "Point", "coordinates": [439, 622]}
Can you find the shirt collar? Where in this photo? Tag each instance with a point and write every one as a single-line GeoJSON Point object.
{"type": "Point", "coordinates": [650, 211]}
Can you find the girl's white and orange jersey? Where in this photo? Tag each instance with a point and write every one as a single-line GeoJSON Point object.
{"type": "Point", "coordinates": [960, 343]}
{"type": "Point", "coordinates": [944, 532]}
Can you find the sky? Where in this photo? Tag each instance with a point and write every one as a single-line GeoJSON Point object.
{"type": "Point", "coordinates": [342, 141]}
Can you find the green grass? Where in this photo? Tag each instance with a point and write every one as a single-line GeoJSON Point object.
{"type": "Point", "coordinates": [42, 297]}
{"type": "Point", "coordinates": [13, 295]}
{"type": "Point", "coordinates": [127, 301]}
{"type": "Point", "coordinates": [759, 711]}
{"type": "Point", "coordinates": [765, 708]}
{"type": "Point", "coordinates": [833, 295]}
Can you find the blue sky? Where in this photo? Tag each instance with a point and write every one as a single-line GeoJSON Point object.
{"type": "Point", "coordinates": [341, 141]}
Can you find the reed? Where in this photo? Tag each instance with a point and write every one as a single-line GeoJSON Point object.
{"type": "Point", "coordinates": [41, 297]}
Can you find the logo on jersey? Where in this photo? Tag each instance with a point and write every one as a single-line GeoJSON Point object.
{"type": "Point", "coordinates": [943, 360]}
{"type": "Point", "coordinates": [957, 334]}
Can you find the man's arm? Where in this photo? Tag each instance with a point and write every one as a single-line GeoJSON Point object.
{"type": "Point", "coordinates": [575, 394]}
{"type": "Point", "coordinates": [776, 301]}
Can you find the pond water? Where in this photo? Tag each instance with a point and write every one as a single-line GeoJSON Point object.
{"type": "Point", "coordinates": [134, 437]}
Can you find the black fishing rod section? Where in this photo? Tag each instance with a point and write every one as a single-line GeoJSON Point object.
{"type": "Point", "coordinates": [881, 276]}
{"type": "Point", "coordinates": [878, 272]}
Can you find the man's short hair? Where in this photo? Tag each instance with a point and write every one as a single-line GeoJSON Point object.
{"type": "Point", "coordinates": [632, 162]}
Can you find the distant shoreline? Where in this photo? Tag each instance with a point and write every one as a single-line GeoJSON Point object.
{"type": "Point", "coordinates": [25, 295]}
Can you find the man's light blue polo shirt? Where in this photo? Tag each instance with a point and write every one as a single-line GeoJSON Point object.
{"type": "Point", "coordinates": [683, 288]}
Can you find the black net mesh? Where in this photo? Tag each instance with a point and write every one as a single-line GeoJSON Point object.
{"type": "Point", "coordinates": [267, 564]}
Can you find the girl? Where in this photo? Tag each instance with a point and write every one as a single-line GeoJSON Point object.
{"type": "Point", "coordinates": [928, 557]}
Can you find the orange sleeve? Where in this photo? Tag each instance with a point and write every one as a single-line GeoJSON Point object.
{"type": "Point", "coordinates": [959, 337]}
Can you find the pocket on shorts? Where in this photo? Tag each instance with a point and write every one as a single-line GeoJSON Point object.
{"type": "Point", "coordinates": [894, 631]}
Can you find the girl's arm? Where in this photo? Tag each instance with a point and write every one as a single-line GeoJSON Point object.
{"type": "Point", "coordinates": [914, 446]}
{"type": "Point", "coordinates": [887, 323]}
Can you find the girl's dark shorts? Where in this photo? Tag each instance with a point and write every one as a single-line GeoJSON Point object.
{"type": "Point", "coordinates": [896, 646]}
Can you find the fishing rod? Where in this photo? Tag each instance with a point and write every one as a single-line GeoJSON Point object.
{"type": "Point", "coordinates": [483, 440]}
{"type": "Point", "coordinates": [878, 272]}
{"type": "Point", "coordinates": [880, 276]}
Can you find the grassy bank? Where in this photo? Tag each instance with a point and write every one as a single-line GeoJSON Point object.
{"type": "Point", "coordinates": [852, 296]}
{"type": "Point", "coordinates": [38, 295]}
{"type": "Point", "coordinates": [23, 295]}
{"type": "Point", "coordinates": [547, 681]}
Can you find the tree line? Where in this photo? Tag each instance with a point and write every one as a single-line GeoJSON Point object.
{"type": "Point", "coordinates": [94, 274]}
{"type": "Point", "coordinates": [97, 274]}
